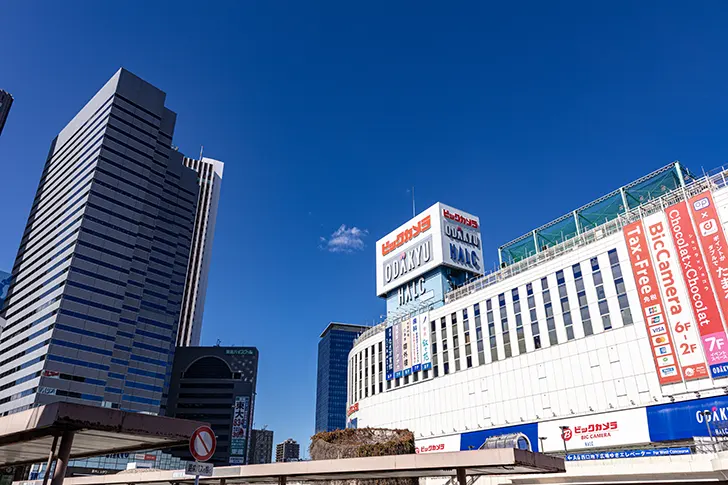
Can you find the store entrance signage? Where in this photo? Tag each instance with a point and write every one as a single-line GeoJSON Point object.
{"type": "Point", "coordinates": [653, 308]}
{"type": "Point", "coordinates": [700, 289]}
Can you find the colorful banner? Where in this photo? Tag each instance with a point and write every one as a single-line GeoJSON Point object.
{"type": "Point", "coordinates": [417, 322]}
{"type": "Point", "coordinates": [674, 293]}
{"type": "Point", "coordinates": [652, 305]}
{"type": "Point", "coordinates": [604, 430]}
{"type": "Point", "coordinates": [397, 342]}
{"type": "Point", "coordinates": [702, 298]}
{"type": "Point", "coordinates": [407, 346]}
{"type": "Point", "coordinates": [388, 352]}
{"type": "Point", "coordinates": [425, 342]}
{"type": "Point", "coordinates": [239, 429]}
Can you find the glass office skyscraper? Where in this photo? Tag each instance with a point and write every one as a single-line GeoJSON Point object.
{"type": "Point", "coordinates": [333, 356]}
{"type": "Point", "coordinates": [94, 304]}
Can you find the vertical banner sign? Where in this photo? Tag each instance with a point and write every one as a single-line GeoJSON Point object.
{"type": "Point", "coordinates": [675, 296]}
{"type": "Point", "coordinates": [651, 303]}
{"type": "Point", "coordinates": [407, 346]}
{"type": "Point", "coordinates": [425, 342]}
{"type": "Point", "coordinates": [397, 341]}
{"type": "Point", "coordinates": [388, 348]}
{"type": "Point", "coordinates": [239, 427]}
{"type": "Point", "coordinates": [417, 322]}
{"type": "Point", "coordinates": [702, 299]}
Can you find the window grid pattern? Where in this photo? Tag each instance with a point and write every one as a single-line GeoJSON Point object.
{"type": "Point", "coordinates": [581, 298]}
{"type": "Point", "coordinates": [620, 286]}
{"type": "Point", "coordinates": [601, 295]}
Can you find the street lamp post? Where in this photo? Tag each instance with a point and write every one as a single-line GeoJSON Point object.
{"type": "Point", "coordinates": [706, 415]}
{"type": "Point", "coordinates": [541, 439]}
{"type": "Point", "coordinates": [564, 429]}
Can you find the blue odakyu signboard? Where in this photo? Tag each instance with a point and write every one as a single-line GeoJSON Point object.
{"type": "Point", "coordinates": [475, 439]}
{"type": "Point", "coordinates": [683, 420]}
{"type": "Point", "coordinates": [611, 455]}
{"type": "Point", "coordinates": [427, 291]}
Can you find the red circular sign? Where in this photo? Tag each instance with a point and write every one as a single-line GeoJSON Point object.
{"type": "Point", "coordinates": [203, 443]}
{"type": "Point", "coordinates": [566, 434]}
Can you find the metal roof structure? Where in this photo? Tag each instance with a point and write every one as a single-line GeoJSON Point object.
{"type": "Point", "coordinates": [29, 436]}
{"type": "Point", "coordinates": [596, 213]}
{"type": "Point", "coordinates": [462, 463]}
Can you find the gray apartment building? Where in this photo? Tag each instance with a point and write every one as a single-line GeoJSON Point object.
{"type": "Point", "coordinates": [288, 450]}
{"type": "Point", "coordinates": [193, 301]}
{"type": "Point", "coordinates": [260, 450]}
{"type": "Point", "coordinates": [6, 101]}
{"type": "Point", "coordinates": [94, 304]}
{"type": "Point", "coordinates": [216, 385]}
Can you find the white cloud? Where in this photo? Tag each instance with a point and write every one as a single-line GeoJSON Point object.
{"type": "Point", "coordinates": [345, 240]}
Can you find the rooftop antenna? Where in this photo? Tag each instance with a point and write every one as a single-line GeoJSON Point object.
{"type": "Point", "coordinates": [202, 147]}
{"type": "Point", "coordinates": [414, 213]}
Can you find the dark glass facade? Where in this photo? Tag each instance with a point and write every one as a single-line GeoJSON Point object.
{"type": "Point", "coordinates": [333, 354]}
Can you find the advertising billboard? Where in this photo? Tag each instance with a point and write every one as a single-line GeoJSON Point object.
{"type": "Point", "coordinates": [475, 439]}
{"type": "Point", "coordinates": [684, 420]}
{"type": "Point", "coordinates": [239, 431]}
{"type": "Point", "coordinates": [416, 347]}
{"type": "Point", "coordinates": [397, 343]}
{"type": "Point", "coordinates": [702, 299]}
{"type": "Point", "coordinates": [440, 235]}
{"type": "Point", "coordinates": [442, 444]}
{"type": "Point", "coordinates": [406, 346]}
{"type": "Point", "coordinates": [425, 342]}
{"type": "Point", "coordinates": [675, 295]}
{"type": "Point", "coordinates": [619, 428]}
{"type": "Point", "coordinates": [652, 305]}
{"type": "Point", "coordinates": [389, 353]}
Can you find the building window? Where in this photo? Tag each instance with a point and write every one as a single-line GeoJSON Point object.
{"type": "Point", "coordinates": [521, 336]}
{"type": "Point", "coordinates": [581, 298]}
{"type": "Point", "coordinates": [479, 333]}
{"type": "Point", "coordinates": [491, 331]}
{"type": "Point", "coordinates": [443, 340]}
{"type": "Point", "coordinates": [433, 346]}
{"type": "Point", "coordinates": [548, 308]}
{"type": "Point", "coordinates": [601, 296]}
{"type": "Point", "coordinates": [535, 331]}
{"type": "Point", "coordinates": [455, 340]}
{"type": "Point", "coordinates": [621, 289]}
{"type": "Point", "coordinates": [565, 307]}
{"type": "Point", "coordinates": [466, 336]}
{"type": "Point", "coordinates": [504, 325]}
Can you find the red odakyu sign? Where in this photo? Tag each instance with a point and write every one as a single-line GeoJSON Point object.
{"type": "Point", "coordinates": [653, 309]}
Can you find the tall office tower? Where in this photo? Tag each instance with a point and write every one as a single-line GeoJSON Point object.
{"type": "Point", "coordinates": [193, 301]}
{"type": "Point", "coordinates": [333, 357]}
{"type": "Point", "coordinates": [93, 307]}
{"type": "Point", "coordinates": [289, 450]}
{"type": "Point", "coordinates": [6, 101]}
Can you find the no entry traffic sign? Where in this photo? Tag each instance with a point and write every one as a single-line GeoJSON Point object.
{"type": "Point", "coordinates": [203, 443]}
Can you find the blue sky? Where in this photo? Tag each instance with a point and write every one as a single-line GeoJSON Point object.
{"type": "Point", "coordinates": [325, 113]}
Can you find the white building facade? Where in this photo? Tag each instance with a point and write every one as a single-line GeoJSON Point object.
{"type": "Point", "coordinates": [611, 340]}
